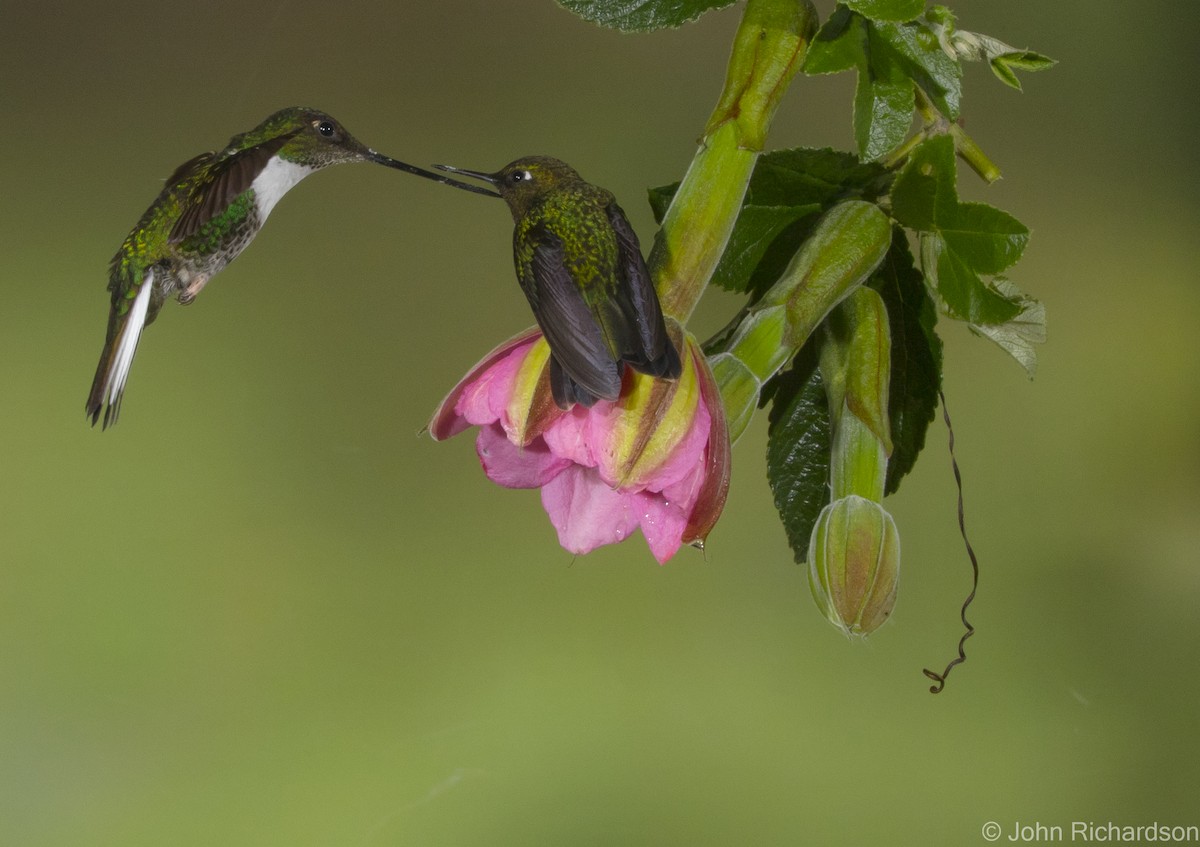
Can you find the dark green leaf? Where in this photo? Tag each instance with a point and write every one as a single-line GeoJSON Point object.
{"type": "Point", "coordinates": [641, 15]}
{"type": "Point", "coordinates": [798, 448]}
{"type": "Point", "coordinates": [964, 294]}
{"type": "Point", "coordinates": [788, 190]}
{"type": "Point", "coordinates": [961, 241]}
{"type": "Point", "coordinates": [887, 10]}
{"type": "Point", "coordinates": [660, 200]}
{"type": "Point", "coordinates": [883, 111]}
{"type": "Point", "coordinates": [919, 54]}
{"type": "Point", "coordinates": [805, 175]}
{"type": "Point", "coordinates": [924, 193]}
{"type": "Point", "coordinates": [916, 360]}
{"type": "Point", "coordinates": [755, 230]}
{"type": "Point", "coordinates": [839, 45]}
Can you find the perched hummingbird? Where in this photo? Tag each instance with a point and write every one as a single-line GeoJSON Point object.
{"type": "Point", "coordinates": [208, 211]}
{"type": "Point", "coordinates": [581, 268]}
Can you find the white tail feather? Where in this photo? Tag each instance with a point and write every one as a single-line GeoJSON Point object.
{"type": "Point", "coordinates": [131, 332]}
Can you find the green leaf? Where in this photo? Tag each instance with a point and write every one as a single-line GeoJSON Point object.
{"type": "Point", "coordinates": [809, 175]}
{"type": "Point", "coordinates": [891, 57]}
{"type": "Point", "coordinates": [916, 360]}
{"type": "Point", "coordinates": [964, 294]}
{"type": "Point", "coordinates": [924, 193]}
{"type": "Point", "coordinates": [883, 111]}
{"type": "Point", "coordinates": [798, 448]}
{"type": "Point", "coordinates": [1004, 73]}
{"type": "Point", "coordinates": [987, 239]}
{"type": "Point", "coordinates": [660, 200]}
{"type": "Point", "coordinates": [641, 15]}
{"type": "Point", "coordinates": [887, 10]}
{"type": "Point", "coordinates": [920, 55]}
{"type": "Point", "coordinates": [1027, 60]}
{"type": "Point", "coordinates": [1017, 336]}
{"type": "Point", "coordinates": [839, 44]}
{"type": "Point", "coordinates": [787, 192]}
{"type": "Point", "coordinates": [756, 228]}
{"type": "Point", "coordinates": [960, 241]}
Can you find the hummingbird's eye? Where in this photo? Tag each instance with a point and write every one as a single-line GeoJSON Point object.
{"type": "Point", "coordinates": [326, 129]}
{"type": "Point", "coordinates": [521, 176]}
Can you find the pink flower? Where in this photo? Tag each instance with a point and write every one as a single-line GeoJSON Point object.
{"type": "Point", "coordinates": [655, 459]}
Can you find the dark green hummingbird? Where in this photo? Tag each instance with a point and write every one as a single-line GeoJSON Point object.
{"type": "Point", "coordinates": [209, 210]}
{"type": "Point", "coordinates": [580, 265]}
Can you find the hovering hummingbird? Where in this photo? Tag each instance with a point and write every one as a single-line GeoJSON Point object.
{"type": "Point", "coordinates": [208, 211]}
{"type": "Point", "coordinates": [580, 265]}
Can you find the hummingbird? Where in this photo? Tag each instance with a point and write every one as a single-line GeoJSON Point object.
{"type": "Point", "coordinates": [580, 265]}
{"type": "Point", "coordinates": [209, 210]}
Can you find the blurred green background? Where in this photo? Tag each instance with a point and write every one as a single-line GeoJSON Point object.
{"type": "Point", "coordinates": [263, 611]}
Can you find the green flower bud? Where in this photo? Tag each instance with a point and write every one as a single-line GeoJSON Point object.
{"type": "Point", "coordinates": [846, 246]}
{"type": "Point", "coordinates": [854, 564]}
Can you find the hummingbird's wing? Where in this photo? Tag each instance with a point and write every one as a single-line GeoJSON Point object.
{"type": "Point", "coordinates": [649, 350]}
{"type": "Point", "coordinates": [576, 340]}
{"type": "Point", "coordinates": [229, 174]}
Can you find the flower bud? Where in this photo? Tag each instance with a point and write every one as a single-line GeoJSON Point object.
{"type": "Point", "coordinates": [854, 564]}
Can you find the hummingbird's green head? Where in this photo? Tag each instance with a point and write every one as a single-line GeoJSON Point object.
{"type": "Point", "coordinates": [525, 181]}
{"type": "Point", "coordinates": [310, 138]}
{"type": "Point", "coordinates": [314, 140]}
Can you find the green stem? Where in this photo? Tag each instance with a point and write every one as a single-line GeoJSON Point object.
{"type": "Point", "coordinates": [964, 145]}
{"type": "Point", "coordinates": [847, 244]}
{"type": "Point", "coordinates": [768, 50]}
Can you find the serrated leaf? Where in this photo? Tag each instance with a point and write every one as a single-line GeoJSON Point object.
{"type": "Point", "coordinates": [1027, 60]}
{"type": "Point", "coordinates": [798, 449]}
{"type": "Point", "coordinates": [921, 57]}
{"type": "Point", "coordinates": [787, 192]}
{"type": "Point", "coordinates": [824, 176]}
{"type": "Point", "coordinates": [963, 292]}
{"type": "Point", "coordinates": [839, 44]}
{"type": "Point", "coordinates": [883, 113]}
{"type": "Point", "coordinates": [985, 238]}
{"type": "Point", "coordinates": [1004, 73]}
{"type": "Point", "coordinates": [887, 10]}
{"type": "Point", "coordinates": [1017, 336]}
{"type": "Point", "coordinates": [756, 228]}
{"type": "Point", "coordinates": [916, 360]}
{"type": "Point", "coordinates": [924, 193]}
{"type": "Point", "coordinates": [960, 241]}
{"type": "Point", "coordinates": [641, 15]}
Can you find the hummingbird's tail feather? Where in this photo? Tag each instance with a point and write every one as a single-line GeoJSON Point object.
{"type": "Point", "coordinates": [666, 365]}
{"type": "Point", "coordinates": [566, 391]}
{"type": "Point", "coordinates": [108, 386]}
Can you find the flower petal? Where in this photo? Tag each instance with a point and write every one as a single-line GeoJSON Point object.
{"type": "Point", "coordinates": [571, 436]}
{"type": "Point", "coordinates": [686, 456]}
{"type": "Point", "coordinates": [587, 513]}
{"type": "Point", "coordinates": [710, 501]}
{"type": "Point", "coordinates": [512, 466]}
{"type": "Point", "coordinates": [448, 420]}
{"type": "Point", "coordinates": [662, 523]}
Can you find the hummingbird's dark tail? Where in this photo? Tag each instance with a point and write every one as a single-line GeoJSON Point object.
{"type": "Point", "coordinates": [124, 331]}
{"type": "Point", "coordinates": [665, 365]}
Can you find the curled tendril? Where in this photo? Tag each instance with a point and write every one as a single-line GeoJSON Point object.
{"type": "Point", "coordinates": [940, 678]}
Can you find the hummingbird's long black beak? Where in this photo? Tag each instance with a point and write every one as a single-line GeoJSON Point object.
{"type": "Point", "coordinates": [387, 161]}
{"type": "Point", "coordinates": [491, 179]}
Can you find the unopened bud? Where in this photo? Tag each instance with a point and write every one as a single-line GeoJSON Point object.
{"type": "Point", "coordinates": [854, 564]}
